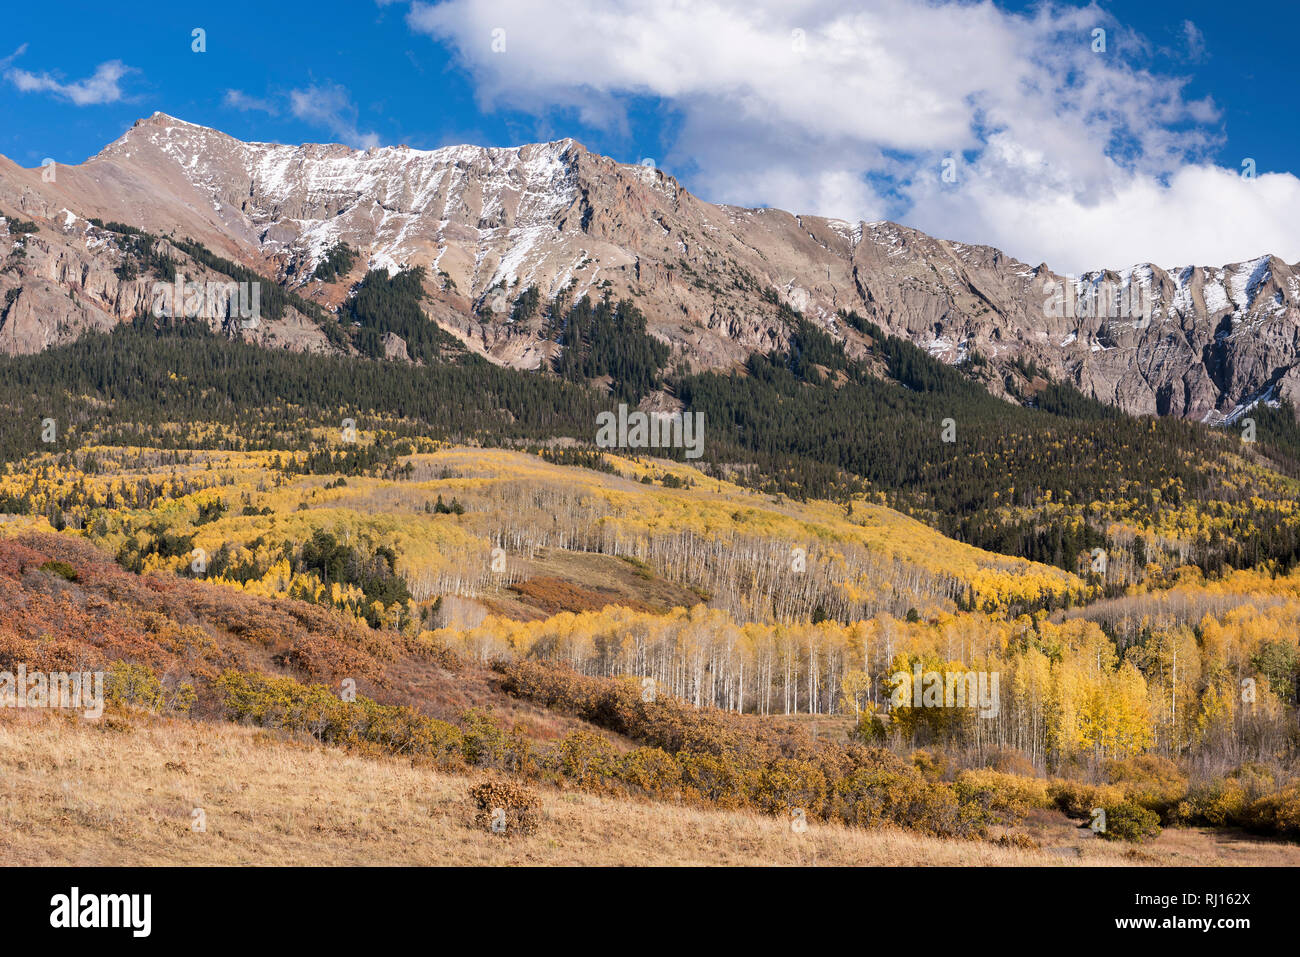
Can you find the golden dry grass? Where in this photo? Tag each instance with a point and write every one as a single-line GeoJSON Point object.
{"type": "Point", "coordinates": [123, 791]}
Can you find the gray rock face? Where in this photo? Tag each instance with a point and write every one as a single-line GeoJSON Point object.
{"type": "Point", "coordinates": [487, 224]}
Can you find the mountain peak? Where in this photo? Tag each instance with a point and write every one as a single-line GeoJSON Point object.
{"type": "Point", "coordinates": [152, 128]}
{"type": "Point", "coordinates": [165, 121]}
{"type": "Point", "coordinates": [551, 221]}
{"type": "Point", "coordinates": [159, 118]}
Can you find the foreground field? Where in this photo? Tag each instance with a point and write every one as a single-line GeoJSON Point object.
{"type": "Point", "coordinates": [124, 792]}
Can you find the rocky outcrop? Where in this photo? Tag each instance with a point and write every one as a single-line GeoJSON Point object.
{"type": "Point", "coordinates": [64, 279]}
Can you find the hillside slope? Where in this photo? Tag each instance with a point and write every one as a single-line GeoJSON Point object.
{"type": "Point", "coordinates": [124, 795]}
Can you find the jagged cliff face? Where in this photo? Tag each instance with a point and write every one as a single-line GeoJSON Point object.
{"type": "Point", "coordinates": [489, 223]}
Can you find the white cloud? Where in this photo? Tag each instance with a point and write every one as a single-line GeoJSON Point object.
{"type": "Point", "coordinates": [239, 100]}
{"type": "Point", "coordinates": [329, 106]}
{"type": "Point", "coordinates": [839, 108]}
{"type": "Point", "coordinates": [5, 61]}
{"type": "Point", "coordinates": [103, 87]}
{"type": "Point", "coordinates": [1195, 40]}
{"type": "Point", "coordinates": [1201, 215]}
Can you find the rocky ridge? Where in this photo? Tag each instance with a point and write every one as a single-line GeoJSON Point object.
{"type": "Point", "coordinates": [715, 282]}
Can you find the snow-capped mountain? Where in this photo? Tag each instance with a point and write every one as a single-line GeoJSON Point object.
{"type": "Point", "coordinates": [487, 224]}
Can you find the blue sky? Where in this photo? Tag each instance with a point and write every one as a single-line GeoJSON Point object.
{"type": "Point", "coordinates": [1053, 149]}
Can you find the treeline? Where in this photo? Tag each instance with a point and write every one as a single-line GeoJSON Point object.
{"type": "Point", "coordinates": [1220, 690]}
{"type": "Point", "coordinates": [806, 421]}
{"type": "Point", "coordinates": [945, 450]}
{"type": "Point", "coordinates": [133, 386]}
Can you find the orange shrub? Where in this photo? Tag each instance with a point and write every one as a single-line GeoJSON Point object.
{"type": "Point", "coordinates": [652, 771]}
{"type": "Point", "coordinates": [505, 807]}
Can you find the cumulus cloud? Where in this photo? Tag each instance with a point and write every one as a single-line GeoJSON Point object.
{"type": "Point", "coordinates": [1065, 149]}
{"type": "Point", "coordinates": [330, 107]}
{"type": "Point", "coordinates": [103, 87]}
{"type": "Point", "coordinates": [1199, 215]}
